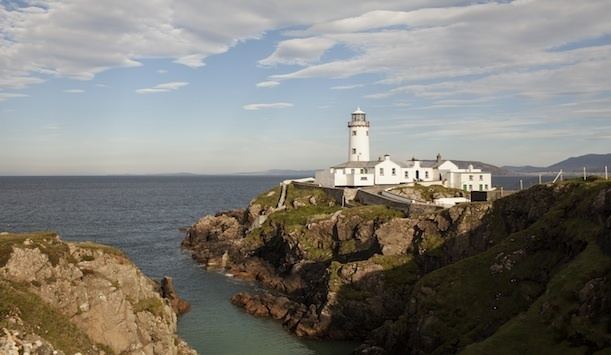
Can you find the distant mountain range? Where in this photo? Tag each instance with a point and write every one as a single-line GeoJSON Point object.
{"type": "Point", "coordinates": [281, 172]}
{"type": "Point", "coordinates": [592, 163]}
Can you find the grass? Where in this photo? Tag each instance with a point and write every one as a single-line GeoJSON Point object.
{"type": "Point", "coordinates": [427, 193]}
{"type": "Point", "coordinates": [46, 242]}
{"type": "Point", "coordinates": [373, 212]}
{"type": "Point", "coordinates": [268, 199]}
{"type": "Point", "coordinates": [40, 318]}
{"type": "Point", "coordinates": [303, 195]}
{"type": "Point", "coordinates": [302, 216]}
{"type": "Point", "coordinates": [470, 303]}
{"type": "Point", "coordinates": [152, 305]}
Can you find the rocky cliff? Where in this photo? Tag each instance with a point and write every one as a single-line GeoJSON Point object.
{"type": "Point", "coordinates": [80, 298]}
{"type": "Point", "coordinates": [530, 272]}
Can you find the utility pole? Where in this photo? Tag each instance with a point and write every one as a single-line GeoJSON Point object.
{"type": "Point", "coordinates": [539, 179]}
{"type": "Point", "coordinates": [521, 185]}
{"type": "Point", "coordinates": [606, 174]}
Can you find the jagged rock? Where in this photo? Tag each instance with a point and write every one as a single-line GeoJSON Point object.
{"type": "Point", "coordinates": [353, 275]}
{"type": "Point", "coordinates": [168, 291]}
{"type": "Point", "coordinates": [99, 290]}
{"type": "Point", "coordinates": [395, 236]}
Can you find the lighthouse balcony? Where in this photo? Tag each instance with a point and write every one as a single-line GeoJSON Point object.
{"type": "Point", "coordinates": [358, 124]}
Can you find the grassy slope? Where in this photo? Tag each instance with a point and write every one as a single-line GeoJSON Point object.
{"type": "Point", "coordinates": [471, 302]}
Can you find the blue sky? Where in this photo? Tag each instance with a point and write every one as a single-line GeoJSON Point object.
{"type": "Point", "coordinates": [218, 87]}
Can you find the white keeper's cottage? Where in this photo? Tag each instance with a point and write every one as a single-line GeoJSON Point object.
{"type": "Point", "coordinates": [359, 170]}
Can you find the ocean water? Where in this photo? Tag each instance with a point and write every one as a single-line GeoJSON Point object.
{"type": "Point", "coordinates": [142, 215]}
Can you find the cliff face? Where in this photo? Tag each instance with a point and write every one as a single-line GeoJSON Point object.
{"type": "Point", "coordinates": [80, 297]}
{"type": "Point", "coordinates": [530, 271]}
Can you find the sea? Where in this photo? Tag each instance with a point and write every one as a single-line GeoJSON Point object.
{"type": "Point", "coordinates": [142, 215]}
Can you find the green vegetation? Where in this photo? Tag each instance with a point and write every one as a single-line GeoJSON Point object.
{"type": "Point", "coordinates": [268, 199]}
{"type": "Point", "coordinates": [46, 242]}
{"type": "Point", "coordinates": [152, 305]}
{"type": "Point", "coordinates": [302, 216]}
{"type": "Point", "coordinates": [428, 193]}
{"type": "Point", "coordinates": [303, 197]}
{"type": "Point", "coordinates": [533, 275]}
{"type": "Point", "coordinates": [373, 212]}
{"type": "Point", "coordinates": [40, 318]}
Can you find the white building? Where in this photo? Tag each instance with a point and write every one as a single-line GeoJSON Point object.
{"type": "Point", "coordinates": [359, 170]}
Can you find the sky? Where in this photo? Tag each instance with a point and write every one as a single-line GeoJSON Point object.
{"type": "Point", "coordinates": [164, 86]}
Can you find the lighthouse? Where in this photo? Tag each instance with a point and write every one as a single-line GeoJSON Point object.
{"type": "Point", "coordinates": [358, 137]}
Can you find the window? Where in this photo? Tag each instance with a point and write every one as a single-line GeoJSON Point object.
{"type": "Point", "coordinates": [481, 187]}
{"type": "Point", "coordinates": [353, 150]}
{"type": "Point", "coordinates": [470, 187]}
{"type": "Point", "coordinates": [354, 133]}
{"type": "Point", "coordinates": [363, 171]}
{"type": "Point", "coordinates": [381, 171]}
{"type": "Point", "coordinates": [363, 177]}
{"type": "Point", "coordinates": [481, 177]}
{"type": "Point", "coordinates": [352, 171]}
{"type": "Point", "coordinates": [367, 133]}
{"type": "Point", "coordinates": [486, 186]}
{"type": "Point", "coordinates": [464, 187]}
{"type": "Point", "coordinates": [426, 174]}
{"type": "Point", "coordinates": [470, 177]}
{"type": "Point", "coordinates": [394, 172]}
{"type": "Point", "coordinates": [406, 174]}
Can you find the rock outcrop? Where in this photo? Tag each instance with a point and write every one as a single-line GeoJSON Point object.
{"type": "Point", "coordinates": [467, 278]}
{"type": "Point", "coordinates": [82, 297]}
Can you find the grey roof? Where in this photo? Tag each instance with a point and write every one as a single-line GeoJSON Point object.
{"type": "Point", "coordinates": [423, 163]}
{"type": "Point", "coordinates": [357, 164]}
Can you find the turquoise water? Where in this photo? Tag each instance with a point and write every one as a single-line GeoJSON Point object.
{"type": "Point", "coordinates": [141, 215]}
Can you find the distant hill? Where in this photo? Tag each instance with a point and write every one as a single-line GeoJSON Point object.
{"type": "Point", "coordinates": [281, 172]}
{"type": "Point", "coordinates": [592, 163]}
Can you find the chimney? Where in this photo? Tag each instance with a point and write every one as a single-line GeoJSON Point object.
{"type": "Point", "coordinates": [438, 157]}
{"type": "Point", "coordinates": [386, 157]}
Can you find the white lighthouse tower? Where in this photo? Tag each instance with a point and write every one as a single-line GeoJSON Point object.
{"type": "Point", "coordinates": [358, 137]}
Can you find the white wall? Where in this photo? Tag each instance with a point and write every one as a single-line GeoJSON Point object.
{"type": "Point", "coordinates": [358, 144]}
{"type": "Point", "coordinates": [325, 178]}
{"type": "Point", "coordinates": [472, 181]}
{"type": "Point", "coordinates": [386, 177]}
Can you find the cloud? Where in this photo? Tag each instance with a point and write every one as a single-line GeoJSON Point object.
{"type": "Point", "coordinates": [165, 87]}
{"type": "Point", "coordinates": [347, 87]}
{"type": "Point", "coordinates": [192, 61]}
{"type": "Point", "coordinates": [447, 50]}
{"type": "Point", "coordinates": [256, 107]}
{"type": "Point", "coordinates": [300, 51]}
{"type": "Point", "coordinates": [162, 71]}
{"type": "Point", "coordinates": [267, 84]}
{"type": "Point", "coordinates": [74, 91]}
{"type": "Point", "coordinates": [79, 39]}
{"type": "Point", "coordinates": [9, 95]}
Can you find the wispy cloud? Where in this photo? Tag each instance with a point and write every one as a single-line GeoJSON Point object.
{"type": "Point", "coordinates": [9, 95]}
{"type": "Point", "coordinates": [74, 91]}
{"type": "Point", "coordinates": [347, 87]}
{"type": "Point", "coordinates": [267, 84]}
{"type": "Point", "coordinates": [192, 61]}
{"type": "Point", "coordinates": [165, 87]}
{"type": "Point", "coordinates": [276, 105]}
{"type": "Point", "coordinates": [162, 71]}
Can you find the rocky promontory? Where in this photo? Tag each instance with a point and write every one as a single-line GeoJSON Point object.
{"type": "Point", "coordinates": [58, 297]}
{"type": "Point", "coordinates": [528, 273]}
